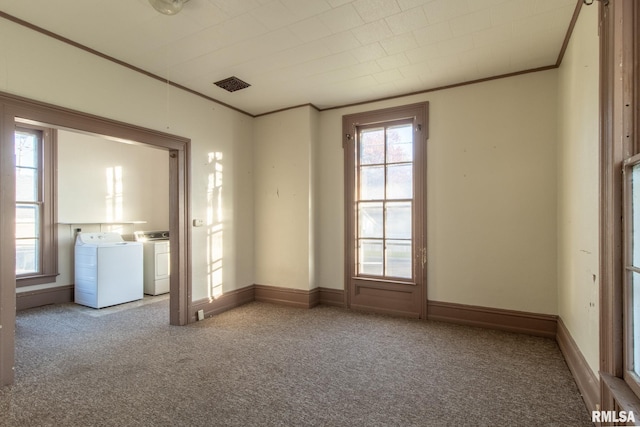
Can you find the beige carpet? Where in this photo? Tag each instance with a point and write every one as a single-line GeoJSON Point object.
{"type": "Point", "coordinates": [268, 365]}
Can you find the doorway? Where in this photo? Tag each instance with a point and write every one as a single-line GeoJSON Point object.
{"type": "Point", "coordinates": [14, 107]}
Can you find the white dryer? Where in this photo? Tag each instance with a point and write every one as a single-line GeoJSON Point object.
{"type": "Point", "coordinates": [157, 260]}
{"type": "Point", "coordinates": [108, 270]}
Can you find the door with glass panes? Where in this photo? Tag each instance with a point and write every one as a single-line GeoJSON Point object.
{"type": "Point", "coordinates": [385, 210]}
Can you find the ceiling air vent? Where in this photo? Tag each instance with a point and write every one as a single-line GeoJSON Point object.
{"type": "Point", "coordinates": [232, 84]}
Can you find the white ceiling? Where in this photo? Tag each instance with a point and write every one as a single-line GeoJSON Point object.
{"type": "Point", "coordinates": [325, 52]}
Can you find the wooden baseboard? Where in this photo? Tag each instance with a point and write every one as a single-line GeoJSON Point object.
{"type": "Point", "coordinates": [225, 302]}
{"type": "Point", "coordinates": [285, 296]}
{"type": "Point", "coordinates": [493, 318]}
{"type": "Point", "coordinates": [298, 297]}
{"type": "Point", "coordinates": [334, 297]}
{"type": "Point", "coordinates": [40, 297]}
{"type": "Point", "coordinates": [586, 380]}
{"type": "Point", "coordinates": [232, 299]}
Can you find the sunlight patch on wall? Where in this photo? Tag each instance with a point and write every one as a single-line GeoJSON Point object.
{"type": "Point", "coordinates": [114, 197]}
{"type": "Point", "coordinates": [214, 226]}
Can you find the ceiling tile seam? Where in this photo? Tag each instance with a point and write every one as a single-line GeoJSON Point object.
{"type": "Point", "coordinates": [282, 51]}
{"type": "Point", "coordinates": [208, 54]}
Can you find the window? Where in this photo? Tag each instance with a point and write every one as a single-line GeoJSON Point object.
{"type": "Point", "coordinates": [632, 270]}
{"type": "Point", "coordinates": [385, 181]}
{"type": "Point", "coordinates": [36, 246]}
{"type": "Point", "coordinates": [384, 199]}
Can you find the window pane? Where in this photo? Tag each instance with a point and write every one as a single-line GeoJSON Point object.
{"type": "Point", "coordinates": [372, 183]}
{"type": "Point", "coordinates": [27, 220]}
{"type": "Point", "coordinates": [398, 256]}
{"type": "Point", "coordinates": [400, 144]}
{"type": "Point", "coordinates": [635, 306]}
{"type": "Point", "coordinates": [400, 181]}
{"type": "Point", "coordinates": [635, 207]}
{"type": "Point", "coordinates": [26, 149]}
{"type": "Point", "coordinates": [27, 256]}
{"type": "Point", "coordinates": [370, 223]}
{"type": "Point", "coordinates": [398, 220]}
{"type": "Point", "coordinates": [370, 257]}
{"type": "Point", "coordinates": [372, 146]}
{"type": "Point", "coordinates": [26, 184]}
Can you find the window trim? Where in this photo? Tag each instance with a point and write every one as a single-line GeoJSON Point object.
{"type": "Point", "coordinates": [48, 226]}
{"type": "Point", "coordinates": [619, 125]}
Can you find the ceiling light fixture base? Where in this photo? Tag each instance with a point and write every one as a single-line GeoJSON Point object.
{"type": "Point", "coordinates": [168, 7]}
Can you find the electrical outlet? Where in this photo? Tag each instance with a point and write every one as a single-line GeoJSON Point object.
{"type": "Point", "coordinates": [198, 223]}
{"type": "Point", "coordinates": [200, 314]}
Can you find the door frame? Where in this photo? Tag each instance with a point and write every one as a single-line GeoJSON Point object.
{"type": "Point", "coordinates": [12, 106]}
{"type": "Point", "coordinates": [419, 112]}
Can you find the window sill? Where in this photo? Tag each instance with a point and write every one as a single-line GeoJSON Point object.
{"type": "Point", "coordinates": [36, 280]}
{"type": "Point", "coordinates": [623, 395]}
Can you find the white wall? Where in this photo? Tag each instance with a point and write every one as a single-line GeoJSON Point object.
{"type": "Point", "coordinates": [88, 176]}
{"type": "Point", "coordinates": [491, 191]}
{"type": "Point", "coordinates": [283, 196]}
{"type": "Point", "coordinates": [578, 171]}
{"type": "Point", "coordinates": [41, 68]}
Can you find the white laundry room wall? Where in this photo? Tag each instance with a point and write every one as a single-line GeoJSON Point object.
{"type": "Point", "coordinates": [106, 181]}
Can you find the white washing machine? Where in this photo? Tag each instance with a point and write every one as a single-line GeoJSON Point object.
{"type": "Point", "coordinates": [157, 259]}
{"type": "Point", "coordinates": [108, 270]}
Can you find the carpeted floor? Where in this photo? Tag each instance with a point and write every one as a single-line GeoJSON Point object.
{"type": "Point", "coordinates": [269, 365]}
